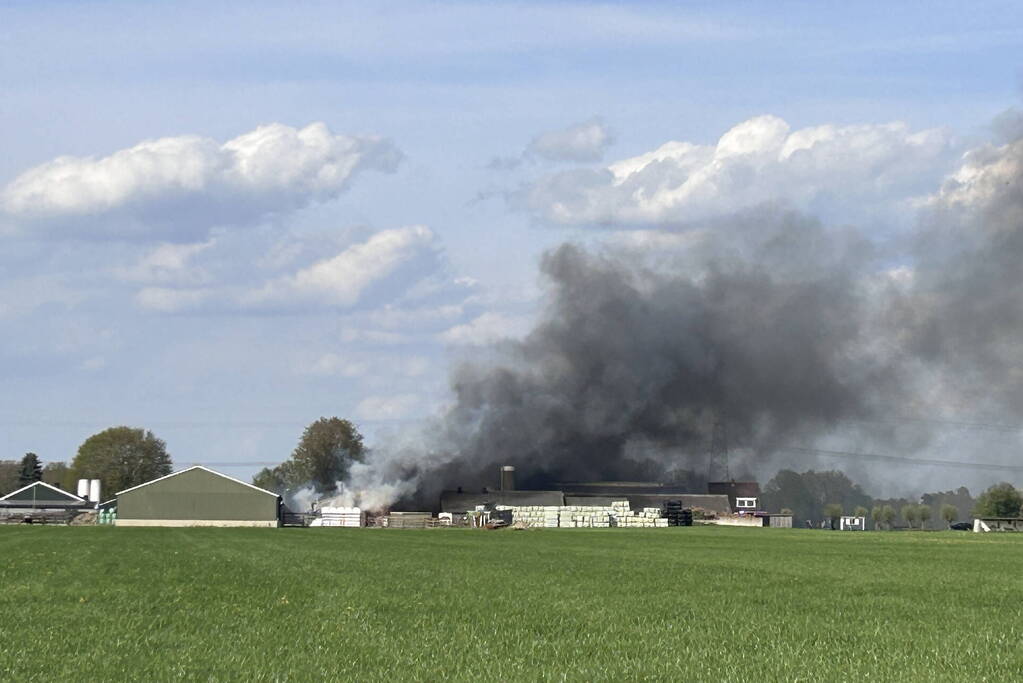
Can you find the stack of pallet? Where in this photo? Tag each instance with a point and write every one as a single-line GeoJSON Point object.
{"type": "Point", "coordinates": [342, 516]}
{"type": "Point", "coordinates": [408, 520]}
{"type": "Point", "coordinates": [676, 514]}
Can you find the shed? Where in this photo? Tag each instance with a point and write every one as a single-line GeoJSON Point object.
{"type": "Point", "coordinates": [41, 496]}
{"type": "Point", "coordinates": [198, 496]}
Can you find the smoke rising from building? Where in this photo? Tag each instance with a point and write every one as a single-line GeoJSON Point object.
{"type": "Point", "coordinates": [786, 331]}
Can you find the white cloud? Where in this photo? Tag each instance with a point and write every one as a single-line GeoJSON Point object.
{"type": "Point", "coordinates": [342, 279]}
{"type": "Point", "coordinates": [168, 300]}
{"type": "Point", "coordinates": [382, 276]}
{"type": "Point", "coordinates": [485, 329]}
{"type": "Point", "coordinates": [758, 160]}
{"type": "Point", "coordinates": [182, 186]}
{"type": "Point", "coordinates": [353, 365]}
{"type": "Point", "coordinates": [381, 408]}
{"type": "Point", "coordinates": [336, 365]}
{"type": "Point", "coordinates": [165, 263]}
{"type": "Point", "coordinates": [20, 296]}
{"type": "Point", "coordinates": [984, 175]}
{"type": "Point", "coordinates": [94, 364]}
{"type": "Point", "coordinates": [581, 142]}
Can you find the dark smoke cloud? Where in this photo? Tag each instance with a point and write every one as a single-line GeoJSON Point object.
{"type": "Point", "coordinates": [781, 329]}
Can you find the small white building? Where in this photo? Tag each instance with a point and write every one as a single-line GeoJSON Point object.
{"type": "Point", "coordinates": [852, 523]}
{"type": "Point", "coordinates": [745, 505]}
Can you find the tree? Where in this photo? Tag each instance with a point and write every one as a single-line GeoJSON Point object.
{"type": "Point", "coordinates": [948, 513]}
{"type": "Point", "coordinates": [860, 511]}
{"type": "Point", "coordinates": [59, 474]}
{"type": "Point", "coordinates": [323, 458]}
{"type": "Point", "coordinates": [888, 515]}
{"type": "Point", "coordinates": [31, 469]}
{"type": "Point", "coordinates": [909, 513]}
{"type": "Point", "coordinates": [1001, 500]}
{"type": "Point", "coordinates": [833, 511]}
{"type": "Point", "coordinates": [9, 476]}
{"type": "Point", "coordinates": [326, 451]}
{"type": "Point", "coordinates": [280, 479]}
{"type": "Point", "coordinates": [121, 457]}
{"type": "Point", "coordinates": [923, 513]}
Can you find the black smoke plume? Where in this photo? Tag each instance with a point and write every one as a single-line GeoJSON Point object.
{"type": "Point", "coordinates": [783, 330]}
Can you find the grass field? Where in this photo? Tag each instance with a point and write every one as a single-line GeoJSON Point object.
{"type": "Point", "coordinates": [100, 603]}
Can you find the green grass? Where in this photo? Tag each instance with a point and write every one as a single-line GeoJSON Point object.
{"type": "Point", "coordinates": [102, 603]}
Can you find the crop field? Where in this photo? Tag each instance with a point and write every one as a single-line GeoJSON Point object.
{"type": "Point", "coordinates": [100, 603]}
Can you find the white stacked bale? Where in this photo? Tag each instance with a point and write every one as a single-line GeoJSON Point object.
{"type": "Point", "coordinates": [583, 516]}
{"type": "Point", "coordinates": [342, 516]}
{"type": "Point", "coordinates": [530, 515]}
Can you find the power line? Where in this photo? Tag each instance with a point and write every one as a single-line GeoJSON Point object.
{"type": "Point", "coordinates": [903, 459]}
{"type": "Point", "coordinates": [968, 424]}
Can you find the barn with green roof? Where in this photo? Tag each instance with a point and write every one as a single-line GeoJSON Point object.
{"type": "Point", "coordinates": [198, 496]}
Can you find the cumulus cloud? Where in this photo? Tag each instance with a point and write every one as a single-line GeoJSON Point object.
{"type": "Point", "coordinates": [384, 275]}
{"type": "Point", "coordinates": [758, 160]}
{"type": "Point", "coordinates": [179, 187]}
{"type": "Point", "coordinates": [580, 142]}
{"type": "Point", "coordinates": [985, 174]}
{"type": "Point", "coordinates": [344, 278]}
{"type": "Point", "coordinates": [485, 329]}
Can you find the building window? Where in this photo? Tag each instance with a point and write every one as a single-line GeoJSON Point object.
{"type": "Point", "coordinates": [746, 503]}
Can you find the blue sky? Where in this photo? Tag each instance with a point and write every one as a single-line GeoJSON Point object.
{"type": "Point", "coordinates": [407, 165]}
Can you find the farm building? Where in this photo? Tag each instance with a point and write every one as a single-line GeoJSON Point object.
{"type": "Point", "coordinates": [40, 497]}
{"type": "Point", "coordinates": [640, 495]}
{"type": "Point", "coordinates": [459, 502]}
{"type": "Point", "coordinates": [716, 504]}
{"type": "Point", "coordinates": [198, 496]}
{"type": "Point", "coordinates": [743, 496]}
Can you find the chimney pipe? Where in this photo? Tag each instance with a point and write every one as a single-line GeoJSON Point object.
{"type": "Point", "coordinates": [507, 478]}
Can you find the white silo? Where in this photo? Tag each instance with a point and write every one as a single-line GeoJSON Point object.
{"type": "Point", "coordinates": [83, 488]}
{"type": "Point", "coordinates": [94, 491]}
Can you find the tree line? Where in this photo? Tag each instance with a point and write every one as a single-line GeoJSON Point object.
{"type": "Point", "coordinates": [814, 497]}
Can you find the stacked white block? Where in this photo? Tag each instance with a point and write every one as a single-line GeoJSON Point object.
{"type": "Point", "coordinates": [342, 516]}
{"type": "Point", "coordinates": [584, 516]}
